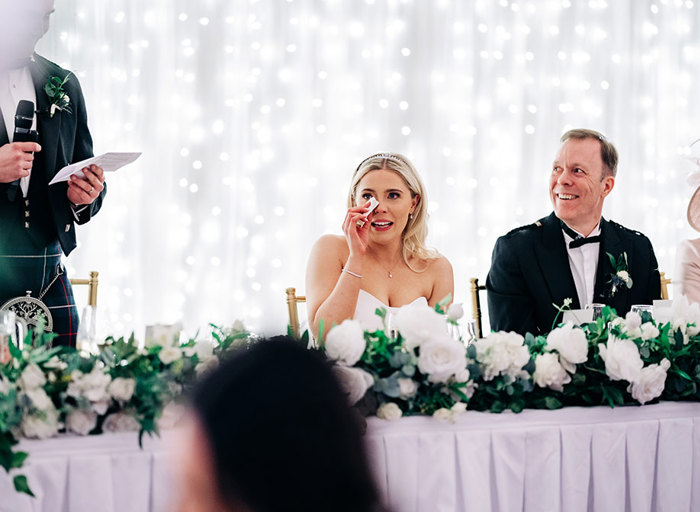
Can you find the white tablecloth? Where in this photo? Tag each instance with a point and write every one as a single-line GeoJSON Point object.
{"type": "Point", "coordinates": [106, 473]}
{"type": "Point", "coordinates": [575, 459]}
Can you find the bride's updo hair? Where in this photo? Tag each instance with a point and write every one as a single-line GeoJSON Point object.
{"type": "Point", "coordinates": [416, 230]}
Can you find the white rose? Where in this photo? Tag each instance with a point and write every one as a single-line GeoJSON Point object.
{"type": "Point", "coordinates": [345, 343]}
{"type": "Point", "coordinates": [32, 377]}
{"type": "Point", "coordinates": [40, 400]}
{"type": "Point", "coordinates": [101, 406]}
{"type": "Point", "coordinates": [171, 416]}
{"type": "Point", "coordinates": [407, 387]}
{"type": "Point", "coordinates": [5, 385]}
{"type": "Point", "coordinates": [633, 321]}
{"type": "Point", "coordinates": [455, 311]}
{"type": "Point", "coordinates": [502, 353]}
{"type": "Point", "coordinates": [55, 364]}
{"type": "Point", "coordinates": [238, 326]}
{"type": "Point", "coordinates": [122, 389]}
{"type": "Point", "coordinates": [622, 359]}
{"type": "Point", "coordinates": [169, 355]}
{"type": "Point", "coordinates": [121, 422]}
{"type": "Point", "coordinates": [389, 411]}
{"type": "Point", "coordinates": [624, 275]}
{"type": "Point", "coordinates": [549, 373]}
{"type": "Point", "coordinates": [571, 344]}
{"type": "Point", "coordinates": [81, 422]}
{"type": "Point", "coordinates": [441, 358]}
{"type": "Point", "coordinates": [206, 366]}
{"type": "Point", "coordinates": [650, 383]}
{"type": "Point", "coordinates": [94, 385]}
{"type": "Point", "coordinates": [40, 426]}
{"type": "Point", "coordinates": [354, 381]}
{"type": "Point", "coordinates": [418, 324]}
{"type": "Point", "coordinates": [462, 376]}
{"type": "Point", "coordinates": [444, 414]}
{"type": "Point", "coordinates": [162, 335]}
{"type": "Point", "coordinates": [649, 331]}
{"type": "Point", "coordinates": [458, 407]}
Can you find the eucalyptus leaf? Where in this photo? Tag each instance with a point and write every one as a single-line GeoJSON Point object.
{"type": "Point", "coordinates": [21, 485]}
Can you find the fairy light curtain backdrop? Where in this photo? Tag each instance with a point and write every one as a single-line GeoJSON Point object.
{"type": "Point", "coordinates": [252, 116]}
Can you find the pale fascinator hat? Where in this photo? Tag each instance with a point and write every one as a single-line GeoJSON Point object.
{"type": "Point", "coordinates": [694, 181]}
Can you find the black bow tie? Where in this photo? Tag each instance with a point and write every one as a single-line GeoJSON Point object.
{"type": "Point", "coordinates": [578, 240]}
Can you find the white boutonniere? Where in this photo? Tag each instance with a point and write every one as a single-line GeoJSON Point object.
{"type": "Point", "coordinates": [58, 98]}
{"type": "Point", "coordinates": [620, 276]}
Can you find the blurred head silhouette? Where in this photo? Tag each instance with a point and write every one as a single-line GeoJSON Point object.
{"type": "Point", "coordinates": [271, 431]}
{"type": "Point", "coordinates": [22, 24]}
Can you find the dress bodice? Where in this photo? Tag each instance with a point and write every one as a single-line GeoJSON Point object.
{"type": "Point", "coordinates": [368, 303]}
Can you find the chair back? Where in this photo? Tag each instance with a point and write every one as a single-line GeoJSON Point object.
{"type": "Point", "coordinates": [293, 300]}
{"type": "Point", "coordinates": [91, 283]}
{"type": "Point", "coordinates": [475, 288]}
{"type": "Point", "coordinates": [665, 281]}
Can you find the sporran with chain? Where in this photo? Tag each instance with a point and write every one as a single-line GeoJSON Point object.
{"type": "Point", "coordinates": [32, 310]}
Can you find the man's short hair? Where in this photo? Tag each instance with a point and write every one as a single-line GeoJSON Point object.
{"type": "Point", "coordinates": [608, 153]}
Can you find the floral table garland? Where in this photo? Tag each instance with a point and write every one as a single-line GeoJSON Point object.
{"type": "Point", "coordinates": [418, 367]}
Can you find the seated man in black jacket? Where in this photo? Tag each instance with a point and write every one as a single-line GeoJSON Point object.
{"type": "Point", "coordinates": [567, 254]}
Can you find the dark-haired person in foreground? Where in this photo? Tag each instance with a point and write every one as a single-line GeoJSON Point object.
{"type": "Point", "coordinates": [565, 255]}
{"type": "Point", "coordinates": [271, 430]}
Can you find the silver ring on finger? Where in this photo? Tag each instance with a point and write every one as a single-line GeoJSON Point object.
{"type": "Point", "coordinates": [92, 189]}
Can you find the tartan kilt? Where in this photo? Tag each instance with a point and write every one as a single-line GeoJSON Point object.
{"type": "Point", "coordinates": [20, 273]}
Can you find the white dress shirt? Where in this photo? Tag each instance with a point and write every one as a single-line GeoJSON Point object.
{"type": "Point", "coordinates": [584, 263]}
{"type": "Point", "coordinates": [16, 85]}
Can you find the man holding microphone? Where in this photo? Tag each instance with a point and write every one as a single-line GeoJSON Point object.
{"type": "Point", "coordinates": [37, 221]}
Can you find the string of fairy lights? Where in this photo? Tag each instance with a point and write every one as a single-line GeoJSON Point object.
{"type": "Point", "coordinates": [252, 116]}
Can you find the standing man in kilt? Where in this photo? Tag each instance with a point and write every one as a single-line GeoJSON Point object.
{"type": "Point", "coordinates": [37, 221]}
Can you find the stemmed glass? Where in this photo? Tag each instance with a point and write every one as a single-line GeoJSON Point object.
{"type": "Point", "coordinates": [597, 310]}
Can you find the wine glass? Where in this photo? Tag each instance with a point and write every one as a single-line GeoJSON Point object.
{"type": "Point", "coordinates": [597, 310]}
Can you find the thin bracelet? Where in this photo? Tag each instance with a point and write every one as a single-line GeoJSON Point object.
{"type": "Point", "coordinates": [352, 273]}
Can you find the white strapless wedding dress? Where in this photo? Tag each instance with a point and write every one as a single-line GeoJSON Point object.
{"type": "Point", "coordinates": [368, 303]}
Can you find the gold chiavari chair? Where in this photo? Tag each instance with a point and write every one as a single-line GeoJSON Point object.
{"type": "Point", "coordinates": [476, 304]}
{"type": "Point", "coordinates": [91, 283]}
{"type": "Point", "coordinates": [293, 300]}
{"type": "Point", "coordinates": [665, 281]}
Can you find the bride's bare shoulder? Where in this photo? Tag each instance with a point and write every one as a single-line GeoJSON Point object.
{"type": "Point", "coordinates": [331, 244]}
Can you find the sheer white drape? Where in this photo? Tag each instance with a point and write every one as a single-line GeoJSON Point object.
{"type": "Point", "coordinates": [253, 115]}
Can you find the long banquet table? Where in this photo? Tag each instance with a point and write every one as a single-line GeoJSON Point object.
{"type": "Point", "coordinates": [575, 459]}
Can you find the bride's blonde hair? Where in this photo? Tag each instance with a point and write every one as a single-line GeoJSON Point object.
{"type": "Point", "coordinates": [416, 231]}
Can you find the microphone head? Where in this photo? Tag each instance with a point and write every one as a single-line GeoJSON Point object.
{"type": "Point", "coordinates": [24, 115]}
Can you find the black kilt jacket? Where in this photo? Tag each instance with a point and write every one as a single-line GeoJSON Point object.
{"type": "Point", "coordinates": [64, 139]}
{"type": "Point", "coordinates": [530, 272]}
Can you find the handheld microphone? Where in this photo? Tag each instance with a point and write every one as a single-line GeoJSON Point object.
{"type": "Point", "coordinates": [23, 123]}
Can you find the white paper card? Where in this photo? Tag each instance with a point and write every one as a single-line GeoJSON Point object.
{"type": "Point", "coordinates": [578, 316]}
{"type": "Point", "coordinates": [109, 162]}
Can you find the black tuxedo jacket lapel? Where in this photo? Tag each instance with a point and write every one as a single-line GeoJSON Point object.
{"type": "Point", "coordinates": [610, 243]}
{"type": "Point", "coordinates": [47, 126]}
{"type": "Point", "coordinates": [553, 260]}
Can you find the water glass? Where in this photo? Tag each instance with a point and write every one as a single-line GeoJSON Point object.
{"type": "Point", "coordinates": [87, 339]}
{"type": "Point", "coordinates": [12, 330]}
{"type": "Point", "coordinates": [472, 332]}
{"type": "Point", "coordinates": [645, 311]}
{"type": "Point", "coordinates": [597, 310]}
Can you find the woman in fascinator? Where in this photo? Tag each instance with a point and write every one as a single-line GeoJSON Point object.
{"type": "Point", "coordinates": [686, 280]}
{"type": "Point", "coordinates": [381, 259]}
